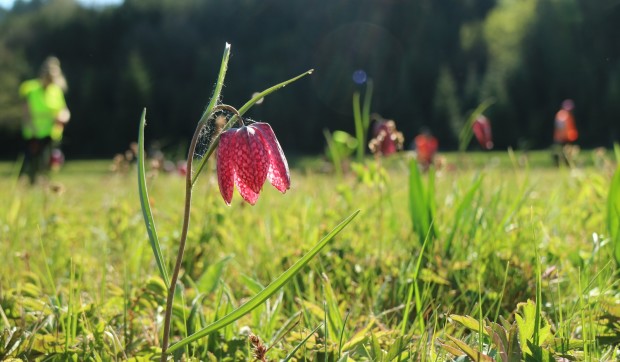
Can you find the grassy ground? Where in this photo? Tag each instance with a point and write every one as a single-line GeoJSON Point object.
{"type": "Point", "coordinates": [521, 248]}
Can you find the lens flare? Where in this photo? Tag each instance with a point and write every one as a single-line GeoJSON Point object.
{"type": "Point", "coordinates": [359, 76]}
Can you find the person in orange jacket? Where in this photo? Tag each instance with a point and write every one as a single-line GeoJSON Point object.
{"type": "Point", "coordinates": [565, 131]}
{"type": "Point", "coordinates": [426, 147]}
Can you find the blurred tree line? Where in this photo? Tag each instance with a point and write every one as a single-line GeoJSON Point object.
{"type": "Point", "coordinates": [432, 61]}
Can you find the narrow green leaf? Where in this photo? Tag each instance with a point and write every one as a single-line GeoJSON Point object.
{"type": "Point", "coordinates": [233, 119]}
{"type": "Point", "coordinates": [466, 202]}
{"type": "Point", "coordinates": [326, 329]}
{"type": "Point", "coordinates": [246, 107]}
{"type": "Point", "coordinates": [467, 321]}
{"type": "Point", "coordinates": [430, 202]}
{"type": "Point", "coordinates": [413, 289]}
{"type": "Point", "coordinates": [451, 349]}
{"type": "Point", "coordinates": [613, 209]}
{"type": "Point", "coordinates": [273, 287]}
{"type": "Point", "coordinates": [215, 98]}
{"type": "Point", "coordinates": [417, 199]}
{"type": "Point", "coordinates": [538, 314]}
{"type": "Point", "coordinates": [194, 320]}
{"type": "Point", "coordinates": [499, 338]}
{"type": "Point", "coordinates": [538, 354]}
{"type": "Point", "coordinates": [333, 152]}
{"type": "Point", "coordinates": [342, 331]}
{"type": "Point", "coordinates": [209, 280]}
{"type": "Point", "coordinates": [146, 206]}
{"type": "Point", "coordinates": [334, 320]}
{"type": "Point", "coordinates": [514, 348]}
{"type": "Point", "coordinates": [253, 285]}
{"type": "Point", "coordinates": [376, 351]}
{"type": "Point", "coordinates": [359, 126]}
{"type": "Point", "coordinates": [421, 202]}
{"type": "Point", "coordinates": [366, 106]}
{"type": "Point", "coordinates": [292, 353]}
{"type": "Point", "coordinates": [470, 352]}
{"type": "Point", "coordinates": [397, 350]}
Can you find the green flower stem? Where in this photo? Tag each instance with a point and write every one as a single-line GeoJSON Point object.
{"type": "Point", "coordinates": [177, 265]}
{"type": "Point", "coordinates": [188, 199]}
{"type": "Point", "coordinates": [186, 212]}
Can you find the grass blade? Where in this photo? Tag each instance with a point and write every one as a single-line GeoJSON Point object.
{"type": "Point", "coordinates": [366, 107]}
{"type": "Point", "coordinates": [215, 98]}
{"type": "Point", "coordinates": [359, 127]}
{"type": "Point", "coordinates": [292, 353]}
{"type": "Point", "coordinates": [334, 154]}
{"type": "Point", "coordinates": [146, 206]}
{"type": "Point", "coordinates": [273, 287]}
{"type": "Point", "coordinates": [414, 288]}
{"type": "Point", "coordinates": [421, 202]}
{"type": "Point", "coordinates": [461, 210]}
{"type": "Point", "coordinates": [613, 208]}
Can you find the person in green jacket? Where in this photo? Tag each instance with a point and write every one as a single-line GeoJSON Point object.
{"type": "Point", "coordinates": [45, 115]}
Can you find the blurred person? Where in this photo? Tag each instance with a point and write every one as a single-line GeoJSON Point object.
{"type": "Point", "coordinates": [482, 131]}
{"type": "Point", "coordinates": [45, 115]}
{"type": "Point", "coordinates": [565, 132]}
{"type": "Point", "coordinates": [426, 147]}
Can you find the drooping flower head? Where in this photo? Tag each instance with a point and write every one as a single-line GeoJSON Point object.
{"type": "Point", "coordinates": [482, 131]}
{"type": "Point", "coordinates": [246, 157]}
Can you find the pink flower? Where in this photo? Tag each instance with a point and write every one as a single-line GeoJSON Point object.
{"type": "Point", "coordinates": [386, 139]}
{"type": "Point", "coordinates": [482, 130]}
{"type": "Point", "coordinates": [246, 157]}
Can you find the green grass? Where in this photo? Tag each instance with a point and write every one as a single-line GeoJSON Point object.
{"type": "Point", "coordinates": [78, 279]}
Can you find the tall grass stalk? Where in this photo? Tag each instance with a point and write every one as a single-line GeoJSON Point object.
{"type": "Point", "coordinates": [361, 118]}
{"type": "Point", "coordinates": [334, 154]}
{"type": "Point", "coordinates": [415, 291]}
{"type": "Point", "coordinates": [613, 208]}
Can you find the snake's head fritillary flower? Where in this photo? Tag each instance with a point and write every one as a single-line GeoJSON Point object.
{"type": "Point", "coordinates": [248, 156]}
{"type": "Point", "coordinates": [386, 138]}
{"type": "Point", "coordinates": [482, 131]}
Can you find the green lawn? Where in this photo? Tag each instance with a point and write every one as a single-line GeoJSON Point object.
{"type": "Point", "coordinates": [521, 247]}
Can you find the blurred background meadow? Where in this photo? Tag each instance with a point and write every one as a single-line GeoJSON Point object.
{"type": "Point", "coordinates": [505, 252]}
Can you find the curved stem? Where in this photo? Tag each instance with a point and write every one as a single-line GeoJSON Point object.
{"type": "Point", "coordinates": [177, 265]}
{"type": "Point", "coordinates": [188, 205]}
{"type": "Point", "coordinates": [219, 107]}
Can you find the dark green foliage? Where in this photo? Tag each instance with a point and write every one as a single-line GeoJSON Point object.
{"type": "Point", "coordinates": [431, 63]}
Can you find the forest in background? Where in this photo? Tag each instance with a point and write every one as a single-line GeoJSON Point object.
{"type": "Point", "coordinates": [431, 61]}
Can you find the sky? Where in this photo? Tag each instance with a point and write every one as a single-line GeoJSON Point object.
{"type": "Point", "coordinates": [7, 4]}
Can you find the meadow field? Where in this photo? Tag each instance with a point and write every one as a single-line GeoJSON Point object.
{"type": "Point", "coordinates": [516, 264]}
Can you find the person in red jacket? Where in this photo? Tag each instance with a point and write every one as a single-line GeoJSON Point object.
{"type": "Point", "coordinates": [426, 147]}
